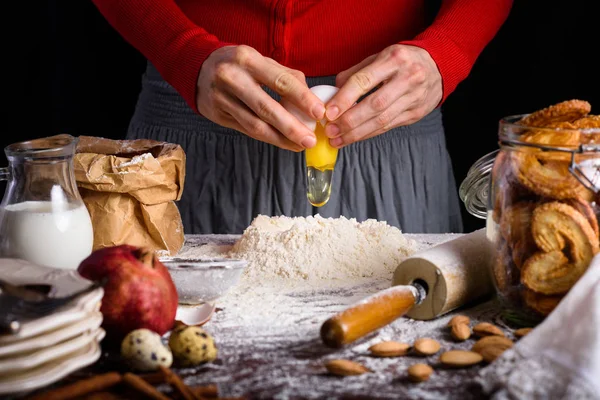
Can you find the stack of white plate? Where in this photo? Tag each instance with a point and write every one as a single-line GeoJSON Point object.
{"type": "Point", "coordinates": [49, 348]}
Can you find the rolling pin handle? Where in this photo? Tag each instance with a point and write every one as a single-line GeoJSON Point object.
{"type": "Point", "coordinates": [370, 314]}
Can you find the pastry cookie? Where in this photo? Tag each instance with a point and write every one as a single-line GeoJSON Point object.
{"type": "Point", "coordinates": [540, 303]}
{"type": "Point", "coordinates": [507, 189]}
{"type": "Point", "coordinates": [547, 178]}
{"type": "Point", "coordinates": [587, 211]}
{"type": "Point", "coordinates": [567, 243]}
{"type": "Point", "coordinates": [562, 133]}
{"type": "Point", "coordinates": [569, 111]}
{"type": "Point", "coordinates": [505, 273]}
{"type": "Point", "coordinates": [515, 227]}
{"type": "Point", "coordinates": [589, 122]}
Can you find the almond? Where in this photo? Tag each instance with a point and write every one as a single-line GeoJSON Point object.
{"type": "Point", "coordinates": [389, 349]}
{"type": "Point", "coordinates": [459, 319]}
{"type": "Point", "coordinates": [460, 331]}
{"type": "Point", "coordinates": [460, 358]}
{"type": "Point", "coordinates": [419, 372]}
{"type": "Point", "coordinates": [522, 332]}
{"type": "Point", "coordinates": [345, 367]}
{"type": "Point", "coordinates": [496, 341]}
{"type": "Point", "coordinates": [490, 353]}
{"type": "Point", "coordinates": [487, 329]}
{"type": "Point", "coordinates": [426, 346]}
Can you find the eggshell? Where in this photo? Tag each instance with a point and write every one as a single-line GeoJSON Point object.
{"type": "Point", "coordinates": [323, 92]}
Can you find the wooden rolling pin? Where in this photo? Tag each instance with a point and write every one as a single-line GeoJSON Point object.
{"type": "Point", "coordinates": [426, 285]}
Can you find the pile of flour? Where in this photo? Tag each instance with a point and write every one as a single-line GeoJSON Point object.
{"type": "Point", "coordinates": [317, 248]}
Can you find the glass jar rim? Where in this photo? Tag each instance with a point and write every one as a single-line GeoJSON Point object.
{"type": "Point", "coordinates": [510, 121]}
{"type": "Point", "coordinates": [510, 132]}
{"type": "Point", "coordinates": [47, 147]}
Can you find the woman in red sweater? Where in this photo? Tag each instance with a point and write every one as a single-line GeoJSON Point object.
{"type": "Point", "coordinates": [218, 69]}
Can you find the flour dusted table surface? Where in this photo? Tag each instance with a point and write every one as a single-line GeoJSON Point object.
{"type": "Point", "coordinates": [269, 345]}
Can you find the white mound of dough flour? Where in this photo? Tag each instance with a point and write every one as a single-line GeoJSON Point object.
{"type": "Point", "coordinates": [317, 248]}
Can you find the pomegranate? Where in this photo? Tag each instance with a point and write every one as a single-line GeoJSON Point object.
{"type": "Point", "coordinates": [139, 292]}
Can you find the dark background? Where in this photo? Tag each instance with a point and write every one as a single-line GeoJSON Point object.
{"type": "Point", "coordinates": [67, 71]}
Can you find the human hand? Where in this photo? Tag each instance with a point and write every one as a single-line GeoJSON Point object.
{"type": "Point", "coordinates": [411, 87]}
{"type": "Point", "coordinates": [229, 94]}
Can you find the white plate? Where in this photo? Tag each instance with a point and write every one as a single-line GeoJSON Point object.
{"type": "Point", "coordinates": [77, 311]}
{"type": "Point", "coordinates": [50, 372]}
{"type": "Point", "coordinates": [18, 363]}
{"type": "Point", "coordinates": [195, 315]}
{"type": "Point", "coordinates": [64, 281]}
{"type": "Point", "coordinates": [90, 323]}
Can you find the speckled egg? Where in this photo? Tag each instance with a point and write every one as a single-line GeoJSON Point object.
{"type": "Point", "coordinates": [192, 345]}
{"type": "Point", "coordinates": [143, 350]}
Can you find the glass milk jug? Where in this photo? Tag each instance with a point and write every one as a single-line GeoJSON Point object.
{"type": "Point", "coordinates": [42, 216]}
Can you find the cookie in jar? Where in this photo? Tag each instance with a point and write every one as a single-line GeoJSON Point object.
{"type": "Point", "coordinates": [543, 205]}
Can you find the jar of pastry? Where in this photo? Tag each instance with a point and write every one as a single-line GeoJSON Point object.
{"type": "Point", "coordinates": [539, 195]}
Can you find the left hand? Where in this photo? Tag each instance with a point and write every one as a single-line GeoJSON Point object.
{"type": "Point", "coordinates": [411, 87]}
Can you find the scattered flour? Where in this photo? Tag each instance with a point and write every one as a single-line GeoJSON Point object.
{"type": "Point", "coordinates": [302, 271]}
{"type": "Point", "coordinates": [267, 326]}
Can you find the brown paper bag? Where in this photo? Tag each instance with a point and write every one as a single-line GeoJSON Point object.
{"type": "Point", "coordinates": [130, 188]}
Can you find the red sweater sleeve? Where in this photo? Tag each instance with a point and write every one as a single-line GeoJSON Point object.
{"type": "Point", "coordinates": [459, 33]}
{"type": "Point", "coordinates": [166, 37]}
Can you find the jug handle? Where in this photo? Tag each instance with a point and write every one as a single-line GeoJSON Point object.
{"type": "Point", "coordinates": [474, 189]}
{"type": "Point", "coordinates": [4, 174]}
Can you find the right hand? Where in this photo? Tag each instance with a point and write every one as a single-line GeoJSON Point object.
{"type": "Point", "coordinates": [229, 94]}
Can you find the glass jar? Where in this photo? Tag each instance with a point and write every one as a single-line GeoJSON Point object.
{"type": "Point", "coordinates": [539, 195]}
{"type": "Point", "coordinates": [42, 216]}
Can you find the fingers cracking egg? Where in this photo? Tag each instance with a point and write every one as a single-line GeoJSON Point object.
{"type": "Point", "coordinates": [320, 160]}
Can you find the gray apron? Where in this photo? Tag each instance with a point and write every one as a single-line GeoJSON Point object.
{"type": "Point", "coordinates": [403, 177]}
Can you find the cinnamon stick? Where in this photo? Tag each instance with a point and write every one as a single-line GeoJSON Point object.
{"type": "Point", "coordinates": [208, 392]}
{"type": "Point", "coordinates": [176, 383]}
{"type": "Point", "coordinates": [80, 388]}
{"type": "Point", "coordinates": [143, 387]}
{"type": "Point", "coordinates": [153, 378]}
{"type": "Point", "coordinates": [101, 396]}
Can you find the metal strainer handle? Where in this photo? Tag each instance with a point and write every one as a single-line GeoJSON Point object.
{"type": "Point", "coordinates": [474, 189]}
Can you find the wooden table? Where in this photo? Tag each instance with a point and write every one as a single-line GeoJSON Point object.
{"type": "Point", "coordinates": [283, 358]}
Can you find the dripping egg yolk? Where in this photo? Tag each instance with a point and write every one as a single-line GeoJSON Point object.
{"type": "Point", "coordinates": [323, 155]}
{"type": "Point", "coordinates": [321, 158]}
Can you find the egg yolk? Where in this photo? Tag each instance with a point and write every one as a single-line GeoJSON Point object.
{"type": "Point", "coordinates": [322, 156]}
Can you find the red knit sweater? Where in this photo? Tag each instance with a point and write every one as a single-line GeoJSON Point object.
{"type": "Point", "coordinates": [317, 37]}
